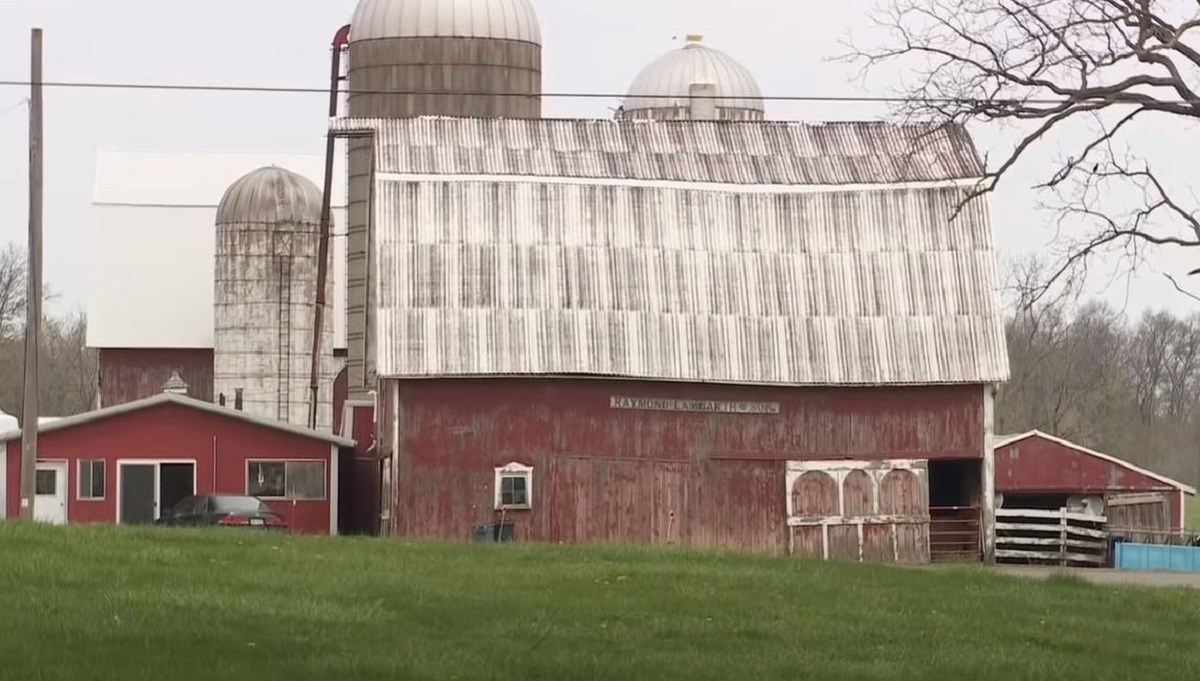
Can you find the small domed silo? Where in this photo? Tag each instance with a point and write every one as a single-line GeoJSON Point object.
{"type": "Point", "coordinates": [463, 58]}
{"type": "Point", "coordinates": [267, 242]}
{"type": "Point", "coordinates": [694, 82]}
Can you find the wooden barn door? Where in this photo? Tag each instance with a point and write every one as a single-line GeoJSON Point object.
{"type": "Point", "coordinates": [857, 510]}
{"type": "Point", "coordinates": [1141, 517]}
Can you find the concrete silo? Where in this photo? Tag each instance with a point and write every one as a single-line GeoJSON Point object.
{"type": "Point", "coordinates": [466, 58]}
{"type": "Point", "coordinates": [694, 82]}
{"type": "Point", "coordinates": [266, 272]}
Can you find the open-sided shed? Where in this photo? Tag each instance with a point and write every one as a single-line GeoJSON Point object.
{"type": "Point", "coordinates": [1037, 470]}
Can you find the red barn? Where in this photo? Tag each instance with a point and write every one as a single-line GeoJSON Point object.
{"type": "Point", "coordinates": [1039, 471]}
{"type": "Point", "coordinates": [762, 335]}
{"type": "Point", "coordinates": [128, 463]}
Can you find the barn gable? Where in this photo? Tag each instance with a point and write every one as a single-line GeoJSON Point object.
{"type": "Point", "coordinates": [186, 402]}
{"type": "Point", "coordinates": [729, 252]}
{"type": "Point", "coordinates": [1038, 462]}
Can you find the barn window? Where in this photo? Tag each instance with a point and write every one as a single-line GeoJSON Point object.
{"type": "Point", "coordinates": [91, 480]}
{"type": "Point", "coordinates": [298, 480]}
{"type": "Point", "coordinates": [514, 486]}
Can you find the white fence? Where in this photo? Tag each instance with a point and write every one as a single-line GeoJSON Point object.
{"type": "Point", "coordinates": [1036, 537]}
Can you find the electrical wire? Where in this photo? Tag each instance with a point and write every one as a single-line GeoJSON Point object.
{"type": "Point", "coordinates": [253, 89]}
{"type": "Point", "coordinates": [14, 107]}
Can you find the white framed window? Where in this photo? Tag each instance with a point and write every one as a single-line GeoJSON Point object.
{"type": "Point", "coordinates": [91, 480]}
{"type": "Point", "coordinates": [514, 486]}
{"type": "Point", "coordinates": [295, 480]}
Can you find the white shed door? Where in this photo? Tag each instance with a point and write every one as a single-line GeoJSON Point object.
{"type": "Point", "coordinates": [50, 493]}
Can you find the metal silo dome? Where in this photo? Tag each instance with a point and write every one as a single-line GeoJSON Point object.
{"type": "Point", "coordinates": [668, 87]}
{"type": "Point", "coordinates": [268, 226]}
{"type": "Point", "coordinates": [495, 19]}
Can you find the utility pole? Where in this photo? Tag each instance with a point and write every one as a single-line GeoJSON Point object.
{"type": "Point", "coordinates": [340, 42]}
{"type": "Point", "coordinates": [33, 298]}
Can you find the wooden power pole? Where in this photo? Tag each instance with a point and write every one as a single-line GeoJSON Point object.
{"type": "Point", "coordinates": [33, 298]}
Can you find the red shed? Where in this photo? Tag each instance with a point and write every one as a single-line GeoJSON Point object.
{"type": "Point", "coordinates": [763, 335]}
{"type": "Point", "coordinates": [126, 464]}
{"type": "Point", "coordinates": [1040, 471]}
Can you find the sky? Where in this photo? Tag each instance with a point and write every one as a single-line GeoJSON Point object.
{"type": "Point", "coordinates": [594, 47]}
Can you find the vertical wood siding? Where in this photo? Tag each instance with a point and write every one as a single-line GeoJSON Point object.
{"type": "Point", "coordinates": [617, 475]}
{"type": "Point", "coordinates": [127, 375]}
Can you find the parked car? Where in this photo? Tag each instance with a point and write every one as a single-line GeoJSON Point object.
{"type": "Point", "coordinates": [225, 510]}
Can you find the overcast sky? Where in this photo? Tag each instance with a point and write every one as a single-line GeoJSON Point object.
{"type": "Point", "coordinates": [589, 47]}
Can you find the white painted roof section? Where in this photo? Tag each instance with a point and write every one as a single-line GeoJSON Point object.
{"type": "Point", "coordinates": [152, 251]}
{"type": "Point", "coordinates": [8, 422]}
{"type": "Point", "coordinates": [496, 19]}
{"type": "Point", "coordinates": [182, 400]}
{"type": "Point", "coordinates": [1013, 439]}
{"type": "Point", "coordinates": [729, 252]}
{"type": "Point", "coordinates": [667, 81]}
{"type": "Point", "coordinates": [196, 178]}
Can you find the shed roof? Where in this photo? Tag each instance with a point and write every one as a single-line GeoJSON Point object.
{"type": "Point", "coordinates": [1008, 440]}
{"type": "Point", "coordinates": [182, 400]}
{"type": "Point", "coordinates": [731, 252]}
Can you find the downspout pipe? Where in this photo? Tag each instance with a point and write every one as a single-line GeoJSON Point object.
{"type": "Point", "coordinates": [341, 41]}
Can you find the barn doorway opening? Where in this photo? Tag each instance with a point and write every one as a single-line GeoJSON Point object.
{"type": "Point", "coordinates": [955, 500]}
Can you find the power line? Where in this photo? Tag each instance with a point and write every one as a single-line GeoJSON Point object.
{"type": "Point", "coordinates": [255, 89]}
{"type": "Point", "coordinates": [14, 107]}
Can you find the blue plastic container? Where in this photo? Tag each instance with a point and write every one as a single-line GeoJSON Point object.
{"type": "Point", "coordinates": [1157, 557]}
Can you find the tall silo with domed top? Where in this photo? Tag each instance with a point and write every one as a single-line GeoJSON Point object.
{"type": "Point", "coordinates": [265, 291]}
{"type": "Point", "coordinates": [464, 58]}
{"type": "Point", "coordinates": [694, 82]}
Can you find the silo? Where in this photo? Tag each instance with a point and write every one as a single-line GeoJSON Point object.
{"type": "Point", "coordinates": [694, 82]}
{"type": "Point", "coordinates": [266, 272]}
{"type": "Point", "coordinates": [466, 58]}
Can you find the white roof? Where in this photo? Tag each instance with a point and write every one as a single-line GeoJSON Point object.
{"type": "Point", "coordinates": [1006, 440]}
{"type": "Point", "coordinates": [50, 426]}
{"type": "Point", "coordinates": [196, 178]}
{"type": "Point", "coordinates": [729, 252]}
{"type": "Point", "coordinates": [498, 19]}
{"type": "Point", "coordinates": [667, 81]}
{"type": "Point", "coordinates": [153, 242]}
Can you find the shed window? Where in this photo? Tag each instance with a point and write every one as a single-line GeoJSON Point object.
{"type": "Point", "coordinates": [91, 480]}
{"type": "Point", "coordinates": [45, 483]}
{"type": "Point", "coordinates": [298, 480]}
{"type": "Point", "coordinates": [514, 486]}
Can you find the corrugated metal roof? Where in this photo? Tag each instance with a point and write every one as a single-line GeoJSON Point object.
{"type": "Point", "coordinates": [691, 281]}
{"type": "Point", "coordinates": [740, 152]}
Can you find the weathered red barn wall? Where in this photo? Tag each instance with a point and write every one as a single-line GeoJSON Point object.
{"type": "Point", "coordinates": [604, 474]}
{"type": "Point", "coordinates": [174, 432]}
{"type": "Point", "coordinates": [130, 374]}
{"type": "Point", "coordinates": [1036, 465]}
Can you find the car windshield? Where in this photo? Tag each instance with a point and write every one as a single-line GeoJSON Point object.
{"type": "Point", "coordinates": [238, 505]}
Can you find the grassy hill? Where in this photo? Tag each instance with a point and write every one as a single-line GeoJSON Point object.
{"type": "Point", "coordinates": [1191, 510]}
{"type": "Point", "coordinates": [105, 603]}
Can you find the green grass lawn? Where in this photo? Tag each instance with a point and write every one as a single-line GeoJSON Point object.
{"type": "Point", "coordinates": [1191, 510]}
{"type": "Point", "coordinates": [104, 603]}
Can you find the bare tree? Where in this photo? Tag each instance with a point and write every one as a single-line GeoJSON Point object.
{"type": "Point", "coordinates": [12, 292]}
{"type": "Point", "coordinates": [1048, 65]}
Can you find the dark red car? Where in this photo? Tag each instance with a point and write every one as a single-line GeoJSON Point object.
{"type": "Point", "coordinates": [223, 510]}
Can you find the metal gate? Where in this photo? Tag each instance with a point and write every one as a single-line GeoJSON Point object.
{"type": "Point", "coordinates": [859, 510]}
